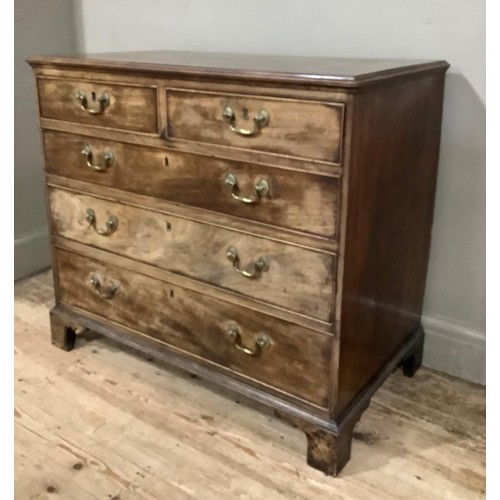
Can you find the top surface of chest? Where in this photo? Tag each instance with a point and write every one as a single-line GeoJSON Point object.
{"type": "Point", "coordinates": [324, 71]}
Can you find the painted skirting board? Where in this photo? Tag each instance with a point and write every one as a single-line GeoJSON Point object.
{"type": "Point", "coordinates": [31, 253]}
{"type": "Point", "coordinates": [454, 349]}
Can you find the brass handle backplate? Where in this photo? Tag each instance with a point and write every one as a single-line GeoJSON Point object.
{"type": "Point", "coordinates": [260, 189]}
{"type": "Point", "coordinates": [107, 159]}
{"type": "Point", "coordinates": [253, 270]}
{"type": "Point", "coordinates": [102, 103]}
{"type": "Point", "coordinates": [111, 223]}
{"type": "Point", "coordinates": [261, 343]}
{"type": "Point", "coordinates": [260, 120]}
{"type": "Point", "coordinates": [105, 292]}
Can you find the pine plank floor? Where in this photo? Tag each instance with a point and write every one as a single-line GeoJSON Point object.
{"type": "Point", "coordinates": [103, 422]}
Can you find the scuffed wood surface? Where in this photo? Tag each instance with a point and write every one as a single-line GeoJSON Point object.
{"type": "Point", "coordinates": [104, 422]}
{"type": "Point", "coordinates": [296, 128]}
{"type": "Point", "coordinates": [297, 200]}
{"type": "Point", "coordinates": [327, 70]}
{"type": "Point", "coordinates": [298, 279]}
{"type": "Point", "coordinates": [172, 315]}
{"type": "Point", "coordinates": [130, 108]}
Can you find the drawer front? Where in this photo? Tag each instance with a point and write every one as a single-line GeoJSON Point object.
{"type": "Point", "coordinates": [303, 129]}
{"type": "Point", "coordinates": [283, 275]}
{"type": "Point", "coordinates": [106, 105]}
{"type": "Point", "coordinates": [294, 200]}
{"type": "Point", "coordinates": [288, 357]}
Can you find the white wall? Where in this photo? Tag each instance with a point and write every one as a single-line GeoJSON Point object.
{"type": "Point", "coordinates": [431, 29]}
{"type": "Point", "coordinates": [41, 27]}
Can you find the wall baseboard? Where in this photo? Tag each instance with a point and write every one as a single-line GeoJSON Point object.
{"type": "Point", "coordinates": [454, 349]}
{"type": "Point", "coordinates": [31, 253]}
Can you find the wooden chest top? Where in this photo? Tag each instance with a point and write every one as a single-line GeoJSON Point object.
{"type": "Point", "coordinates": [324, 71]}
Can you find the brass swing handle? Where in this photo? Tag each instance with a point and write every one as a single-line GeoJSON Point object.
{"type": "Point", "coordinates": [253, 270]}
{"type": "Point", "coordinates": [103, 102]}
{"type": "Point", "coordinates": [262, 341]}
{"type": "Point", "coordinates": [260, 189]}
{"type": "Point", "coordinates": [260, 120]}
{"type": "Point", "coordinates": [107, 159]}
{"type": "Point", "coordinates": [106, 293]}
{"type": "Point", "coordinates": [111, 223]}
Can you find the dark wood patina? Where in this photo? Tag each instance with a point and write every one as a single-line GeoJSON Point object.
{"type": "Point", "coordinates": [320, 173]}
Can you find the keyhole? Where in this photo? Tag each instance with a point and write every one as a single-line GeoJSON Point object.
{"type": "Point", "coordinates": [245, 114]}
{"type": "Point", "coordinates": [165, 162]}
{"type": "Point", "coordinates": [94, 97]}
{"type": "Point", "coordinates": [169, 226]}
{"type": "Point", "coordinates": [171, 293]}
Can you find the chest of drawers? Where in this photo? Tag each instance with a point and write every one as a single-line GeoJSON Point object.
{"type": "Point", "coordinates": [263, 222]}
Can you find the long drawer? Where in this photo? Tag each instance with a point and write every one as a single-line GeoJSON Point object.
{"type": "Point", "coordinates": [285, 356]}
{"type": "Point", "coordinates": [115, 105]}
{"type": "Point", "coordinates": [294, 200]}
{"type": "Point", "coordinates": [288, 276]}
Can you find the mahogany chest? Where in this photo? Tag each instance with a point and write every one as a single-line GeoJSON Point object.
{"type": "Point", "coordinates": [261, 221]}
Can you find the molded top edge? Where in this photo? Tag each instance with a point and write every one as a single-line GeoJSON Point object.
{"type": "Point", "coordinates": [323, 71]}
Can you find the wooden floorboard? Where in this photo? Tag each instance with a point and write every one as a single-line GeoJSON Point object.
{"type": "Point", "coordinates": [104, 422]}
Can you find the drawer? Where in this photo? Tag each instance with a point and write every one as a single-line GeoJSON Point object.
{"type": "Point", "coordinates": [105, 105]}
{"type": "Point", "coordinates": [294, 200]}
{"type": "Point", "coordinates": [288, 276]}
{"type": "Point", "coordinates": [302, 129]}
{"type": "Point", "coordinates": [285, 356]}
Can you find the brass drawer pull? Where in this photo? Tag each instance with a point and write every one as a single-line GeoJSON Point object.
{"type": "Point", "coordinates": [107, 159]}
{"type": "Point", "coordinates": [102, 101]}
{"type": "Point", "coordinates": [260, 120]}
{"type": "Point", "coordinates": [253, 270]}
{"type": "Point", "coordinates": [262, 341]}
{"type": "Point", "coordinates": [260, 189]}
{"type": "Point", "coordinates": [106, 293]}
{"type": "Point", "coordinates": [111, 223]}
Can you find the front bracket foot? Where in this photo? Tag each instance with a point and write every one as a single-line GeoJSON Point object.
{"type": "Point", "coordinates": [327, 451]}
{"type": "Point", "coordinates": [62, 334]}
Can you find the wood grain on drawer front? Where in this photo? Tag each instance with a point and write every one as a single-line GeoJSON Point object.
{"type": "Point", "coordinates": [298, 279]}
{"type": "Point", "coordinates": [130, 107]}
{"type": "Point", "coordinates": [304, 129]}
{"type": "Point", "coordinates": [296, 361]}
{"type": "Point", "coordinates": [300, 201]}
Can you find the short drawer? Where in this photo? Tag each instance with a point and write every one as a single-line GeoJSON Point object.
{"type": "Point", "coordinates": [94, 103]}
{"type": "Point", "coordinates": [298, 279]}
{"type": "Point", "coordinates": [302, 129]}
{"type": "Point", "coordinates": [285, 356]}
{"type": "Point", "coordinates": [290, 199]}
